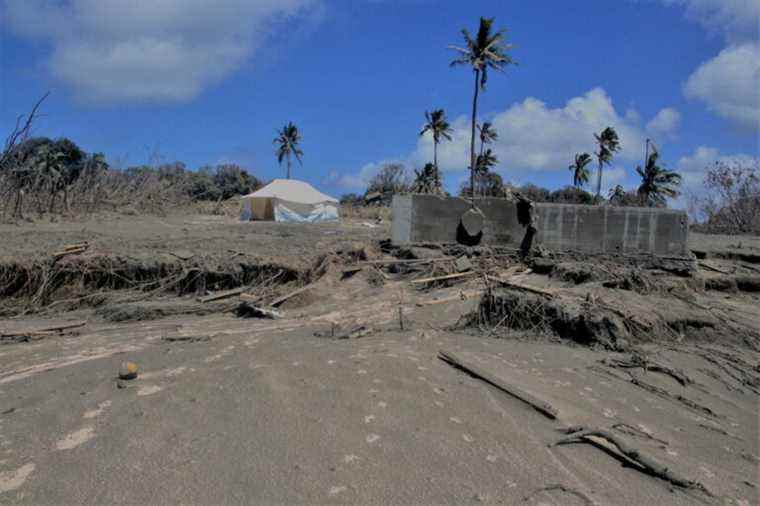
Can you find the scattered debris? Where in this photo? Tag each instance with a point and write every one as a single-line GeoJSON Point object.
{"type": "Point", "coordinates": [463, 264]}
{"type": "Point", "coordinates": [460, 363]}
{"type": "Point", "coordinates": [247, 310]}
{"type": "Point", "coordinates": [183, 254]}
{"type": "Point", "coordinates": [443, 278]}
{"type": "Point", "coordinates": [580, 434]}
{"type": "Point", "coordinates": [127, 371]}
{"type": "Point", "coordinates": [290, 295]}
{"type": "Point", "coordinates": [26, 335]}
{"type": "Point", "coordinates": [355, 332]}
{"type": "Point", "coordinates": [186, 339]}
{"type": "Point", "coordinates": [222, 295]}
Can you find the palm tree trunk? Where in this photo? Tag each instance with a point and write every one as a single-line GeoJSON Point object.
{"type": "Point", "coordinates": [435, 154]}
{"type": "Point", "coordinates": [472, 138]}
{"type": "Point", "coordinates": [599, 181]}
{"type": "Point", "coordinates": [288, 174]}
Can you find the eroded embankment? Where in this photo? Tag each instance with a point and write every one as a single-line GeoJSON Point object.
{"type": "Point", "coordinates": [85, 280]}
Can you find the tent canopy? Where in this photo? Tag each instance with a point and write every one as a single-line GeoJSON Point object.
{"type": "Point", "coordinates": [289, 200]}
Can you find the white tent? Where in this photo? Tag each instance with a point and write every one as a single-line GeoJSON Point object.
{"type": "Point", "coordinates": [289, 200]}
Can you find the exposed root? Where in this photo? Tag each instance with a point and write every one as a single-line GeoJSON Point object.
{"type": "Point", "coordinates": [630, 453]}
{"type": "Point", "coordinates": [636, 360]}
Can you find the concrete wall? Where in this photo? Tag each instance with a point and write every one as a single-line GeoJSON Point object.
{"type": "Point", "coordinates": [561, 227]}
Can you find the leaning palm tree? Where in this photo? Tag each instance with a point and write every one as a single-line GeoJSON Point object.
{"type": "Point", "coordinates": [657, 183]}
{"type": "Point", "coordinates": [580, 172]}
{"type": "Point", "coordinates": [608, 144]}
{"type": "Point", "coordinates": [440, 128]}
{"type": "Point", "coordinates": [486, 50]}
{"type": "Point", "coordinates": [487, 133]}
{"type": "Point", "coordinates": [485, 162]}
{"type": "Point", "coordinates": [288, 140]}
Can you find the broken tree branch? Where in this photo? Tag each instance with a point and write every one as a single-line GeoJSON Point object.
{"type": "Point", "coordinates": [541, 406]}
{"type": "Point", "coordinates": [648, 464]}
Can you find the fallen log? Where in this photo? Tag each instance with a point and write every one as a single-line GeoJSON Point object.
{"type": "Point", "coordinates": [541, 406]}
{"type": "Point", "coordinates": [580, 434]}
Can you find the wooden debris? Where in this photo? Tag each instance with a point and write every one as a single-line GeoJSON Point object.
{"type": "Point", "coordinates": [521, 286]}
{"type": "Point", "coordinates": [185, 339]}
{"type": "Point", "coordinates": [66, 252]}
{"type": "Point", "coordinates": [463, 295]}
{"type": "Point", "coordinates": [222, 295]}
{"type": "Point", "coordinates": [182, 254]}
{"type": "Point", "coordinates": [711, 267]}
{"type": "Point", "coordinates": [249, 297]}
{"type": "Point", "coordinates": [355, 332]}
{"type": "Point", "coordinates": [290, 295]}
{"type": "Point", "coordinates": [541, 406]}
{"type": "Point", "coordinates": [247, 310]}
{"type": "Point", "coordinates": [78, 245]}
{"type": "Point", "coordinates": [582, 434]}
{"type": "Point", "coordinates": [442, 278]}
{"type": "Point", "coordinates": [35, 334]}
{"type": "Point", "coordinates": [406, 261]}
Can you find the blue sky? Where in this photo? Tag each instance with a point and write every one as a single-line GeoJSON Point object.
{"type": "Point", "coordinates": [208, 82]}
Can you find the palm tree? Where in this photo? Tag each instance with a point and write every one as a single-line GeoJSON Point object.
{"type": "Point", "coordinates": [437, 124]}
{"type": "Point", "coordinates": [288, 139]}
{"type": "Point", "coordinates": [617, 195]}
{"type": "Point", "coordinates": [486, 161]}
{"type": "Point", "coordinates": [488, 134]}
{"type": "Point", "coordinates": [609, 144]}
{"type": "Point", "coordinates": [487, 50]}
{"type": "Point", "coordinates": [580, 172]}
{"type": "Point", "coordinates": [657, 183]}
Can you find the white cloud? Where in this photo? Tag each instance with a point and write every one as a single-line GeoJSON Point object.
{"type": "Point", "coordinates": [536, 137]}
{"type": "Point", "coordinates": [734, 19]}
{"type": "Point", "coordinates": [729, 82]}
{"type": "Point", "coordinates": [159, 50]}
{"type": "Point", "coordinates": [730, 85]}
{"type": "Point", "coordinates": [665, 123]}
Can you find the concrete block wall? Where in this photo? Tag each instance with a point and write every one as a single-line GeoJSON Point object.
{"type": "Point", "coordinates": [561, 227]}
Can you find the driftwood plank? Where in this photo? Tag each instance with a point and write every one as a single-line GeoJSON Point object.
{"type": "Point", "coordinates": [457, 361]}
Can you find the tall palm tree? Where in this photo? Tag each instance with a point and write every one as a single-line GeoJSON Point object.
{"type": "Point", "coordinates": [657, 183]}
{"type": "Point", "coordinates": [608, 144]}
{"type": "Point", "coordinates": [288, 139]}
{"type": "Point", "coordinates": [440, 128]}
{"type": "Point", "coordinates": [488, 134]}
{"type": "Point", "coordinates": [580, 172]}
{"type": "Point", "coordinates": [486, 50]}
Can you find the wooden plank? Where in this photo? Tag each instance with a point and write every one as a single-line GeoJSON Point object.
{"type": "Point", "coordinates": [465, 295]}
{"type": "Point", "coordinates": [249, 297]}
{"type": "Point", "coordinates": [441, 278]}
{"type": "Point", "coordinates": [222, 295]}
{"type": "Point", "coordinates": [457, 361]}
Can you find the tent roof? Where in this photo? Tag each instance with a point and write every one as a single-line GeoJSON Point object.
{"type": "Point", "coordinates": [293, 191]}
